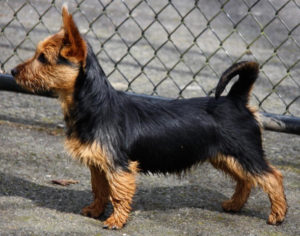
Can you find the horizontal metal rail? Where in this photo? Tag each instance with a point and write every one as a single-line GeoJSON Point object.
{"type": "Point", "coordinates": [273, 122]}
{"type": "Point", "coordinates": [8, 83]}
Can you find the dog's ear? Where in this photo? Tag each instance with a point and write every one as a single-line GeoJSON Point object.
{"type": "Point", "coordinates": [74, 47]}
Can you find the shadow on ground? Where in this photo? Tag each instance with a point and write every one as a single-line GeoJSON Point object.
{"type": "Point", "coordinates": [156, 198]}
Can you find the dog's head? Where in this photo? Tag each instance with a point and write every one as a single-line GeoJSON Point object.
{"type": "Point", "coordinates": [56, 62]}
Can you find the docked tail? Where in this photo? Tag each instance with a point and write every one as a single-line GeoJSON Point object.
{"type": "Point", "coordinates": [247, 71]}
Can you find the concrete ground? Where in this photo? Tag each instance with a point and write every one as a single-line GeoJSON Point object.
{"type": "Point", "coordinates": [31, 127]}
{"type": "Point", "coordinates": [32, 154]}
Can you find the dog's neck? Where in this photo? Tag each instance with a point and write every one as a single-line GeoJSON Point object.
{"type": "Point", "coordinates": [93, 97]}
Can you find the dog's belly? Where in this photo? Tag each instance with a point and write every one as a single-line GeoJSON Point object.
{"type": "Point", "coordinates": [172, 156]}
{"type": "Point", "coordinates": [167, 164]}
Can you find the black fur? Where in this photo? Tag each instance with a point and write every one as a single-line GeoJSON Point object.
{"type": "Point", "coordinates": [167, 136]}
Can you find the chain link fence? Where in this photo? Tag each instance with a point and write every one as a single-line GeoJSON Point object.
{"type": "Point", "coordinates": [172, 48]}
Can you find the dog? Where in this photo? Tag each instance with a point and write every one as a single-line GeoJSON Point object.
{"type": "Point", "coordinates": [117, 135]}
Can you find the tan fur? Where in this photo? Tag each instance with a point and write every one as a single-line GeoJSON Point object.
{"type": "Point", "coordinates": [271, 183]}
{"type": "Point", "coordinates": [107, 182]}
{"type": "Point", "coordinates": [34, 75]}
{"type": "Point", "coordinates": [100, 189]}
{"type": "Point", "coordinates": [89, 154]}
{"type": "Point", "coordinates": [122, 188]}
{"type": "Point", "coordinates": [75, 48]}
{"type": "Point", "coordinates": [68, 43]}
{"type": "Point", "coordinates": [256, 115]}
{"type": "Point", "coordinates": [239, 198]}
{"type": "Point", "coordinates": [243, 188]}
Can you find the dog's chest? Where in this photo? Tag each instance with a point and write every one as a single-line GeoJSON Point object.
{"type": "Point", "coordinates": [87, 153]}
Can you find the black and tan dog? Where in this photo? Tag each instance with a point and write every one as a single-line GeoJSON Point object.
{"type": "Point", "coordinates": [118, 135]}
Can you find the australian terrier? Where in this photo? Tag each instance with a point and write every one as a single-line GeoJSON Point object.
{"type": "Point", "coordinates": [117, 134]}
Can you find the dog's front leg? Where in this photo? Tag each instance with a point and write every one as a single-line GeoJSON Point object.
{"type": "Point", "coordinates": [100, 190]}
{"type": "Point", "coordinates": [122, 186]}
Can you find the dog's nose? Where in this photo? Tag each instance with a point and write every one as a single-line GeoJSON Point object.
{"type": "Point", "coordinates": [14, 71]}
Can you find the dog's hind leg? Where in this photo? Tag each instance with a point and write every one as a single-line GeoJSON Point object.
{"type": "Point", "coordinates": [239, 198]}
{"type": "Point", "coordinates": [272, 183]}
{"type": "Point", "coordinates": [100, 190]}
{"type": "Point", "coordinates": [243, 187]}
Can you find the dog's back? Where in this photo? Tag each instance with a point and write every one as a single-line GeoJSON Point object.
{"type": "Point", "coordinates": [172, 135]}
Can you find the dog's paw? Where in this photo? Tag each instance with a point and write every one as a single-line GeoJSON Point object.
{"type": "Point", "coordinates": [93, 211]}
{"type": "Point", "coordinates": [231, 206]}
{"type": "Point", "coordinates": [275, 219]}
{"type": "Point", "coordinates": [113, 223]}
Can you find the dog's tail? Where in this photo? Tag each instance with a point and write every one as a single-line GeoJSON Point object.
{"type": "Point", "coordinates": [247, 71]}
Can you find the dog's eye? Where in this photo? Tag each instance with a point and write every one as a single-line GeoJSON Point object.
{"type": "Point", "coordinates": [42, 58]}
{"type": "Point", "coordinates": [63, 61]}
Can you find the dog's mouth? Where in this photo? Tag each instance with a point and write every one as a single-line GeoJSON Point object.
{"type": "Point", "coordinates": [27, 84]}
{"type": "Point", "coordinates": [22, 82]}
{"type": "Point", "coordinates": [33, 85]}
{"type": "Point", "coordinates": [15, 72]}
